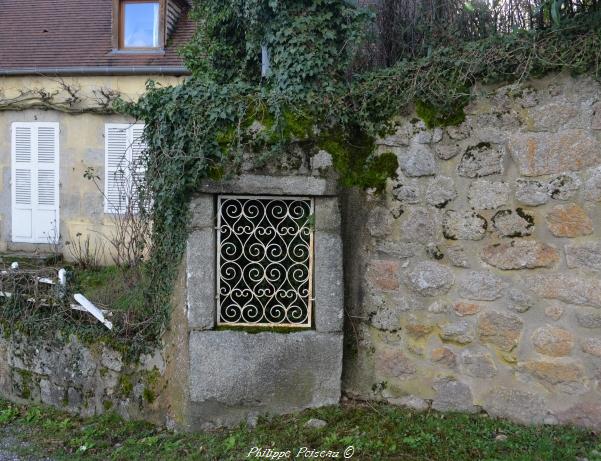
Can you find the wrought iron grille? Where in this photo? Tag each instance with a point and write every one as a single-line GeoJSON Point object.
{"type": "Point", "coordinates": [264, 261]}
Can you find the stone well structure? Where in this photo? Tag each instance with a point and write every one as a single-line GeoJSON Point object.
{"type": "Point", "coordinates": [235, 370]}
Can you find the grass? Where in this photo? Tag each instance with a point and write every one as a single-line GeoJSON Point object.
{"type": "Point", "coordinates": [376, 432]}
{"type": "Point", "coordinates": [110, 287]}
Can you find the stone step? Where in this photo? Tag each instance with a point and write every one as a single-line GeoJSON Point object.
{"type": "Point", "coordinates": [30, 260]}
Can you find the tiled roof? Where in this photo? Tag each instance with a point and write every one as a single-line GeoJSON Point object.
{"type": "Point", "coordinates": [38, 35]}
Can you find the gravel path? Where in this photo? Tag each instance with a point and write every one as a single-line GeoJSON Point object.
{"type": "Point", "coordinates": [10, 446]}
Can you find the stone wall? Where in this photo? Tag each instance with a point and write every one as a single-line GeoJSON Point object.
{"type": "Point", "coordinates": [81, 379]}
{"type": "Point", "coordinates": [474, 281]}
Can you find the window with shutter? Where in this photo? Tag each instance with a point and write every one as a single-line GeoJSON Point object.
{"type": "Point", "coordinates": [35, 182]}
{"type": "Point", "coordinates": [124, 168]}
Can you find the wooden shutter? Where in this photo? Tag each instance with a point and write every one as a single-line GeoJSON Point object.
{"type": "Point", "coordinates": [138, 146]}
{"type": "Point", "coordinates": [35, 182]}
{"type": "Point", "coordinates": [123, 164]}
{"type": "Point", "coordinates": [46, 217]}
{"type": "Point", "coordinates": [115, 168]}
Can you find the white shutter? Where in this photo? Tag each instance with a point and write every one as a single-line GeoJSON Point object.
{"type": "Point", "coordinates": [35, 182]}
{"type": "Point", "coordinates": [22, 185]}
{"type": "Point", "coordinates": [123, 164]}
{"type": "Point", "coordinates": [46, 217]}
{"type": "Point", "coordinates": [115, 167]}
{"type": "Point", "coordinates": [138, 146]}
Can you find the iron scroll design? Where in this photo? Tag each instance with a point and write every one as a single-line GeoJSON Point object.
{"type": "Point", "coordinates": [264, 261]}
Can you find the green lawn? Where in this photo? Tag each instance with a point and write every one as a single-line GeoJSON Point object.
{"type": "Point", "coordinates": [376, 432]}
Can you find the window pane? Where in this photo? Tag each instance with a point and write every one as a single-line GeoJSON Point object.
{"type": "Point", "coordinates": [141, 25]}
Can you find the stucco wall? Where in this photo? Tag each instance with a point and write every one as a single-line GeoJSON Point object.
{"type": "Point", "coordinates": [81, 146]}
{"type": "Point", "coordinates": [474, 281]}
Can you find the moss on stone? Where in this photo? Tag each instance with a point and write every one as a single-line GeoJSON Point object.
{"type": "Point", "coordinates": [259, 329]}
{"type": "Point", "coordinates": [149, 395]}
{"type": "Point", "coordinates": [433, 116]}
{"type": "Point", "coordinates": [126, 385]}
{"type": "Point", "coordinates": [354, 158]}
{"type": "Point", "coordinates": [26, 383]}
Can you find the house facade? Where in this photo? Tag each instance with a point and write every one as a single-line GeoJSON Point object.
{"type": "Point", "coordinates": [62, 64]}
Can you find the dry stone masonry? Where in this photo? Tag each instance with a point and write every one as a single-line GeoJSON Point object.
{"type": "Point", "coordinates": [479, 269]}
{"type": "Point", "coordinates": [79, 378]}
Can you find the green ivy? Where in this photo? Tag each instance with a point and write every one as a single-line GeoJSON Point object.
{"type": "Point", "coordinates": [205, 126]}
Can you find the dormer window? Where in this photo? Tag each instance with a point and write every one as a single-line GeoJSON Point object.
{"type": "Point", "coordinates": [140, 24]}
{"type": "Point", "coordinates": [144, 26]}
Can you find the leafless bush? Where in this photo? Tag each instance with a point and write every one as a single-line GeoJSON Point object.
{"type": "Point", "coordinates": [128, 242]}
{"type": "Point", "coordinates": [412, 28]}
{"type": "Point", "coordinates": [29, 288]}
{"type": "Point", "coordinates": [85, 254]}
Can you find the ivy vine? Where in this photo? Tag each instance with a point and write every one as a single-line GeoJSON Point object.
{"type": "Point", "coordinates": [206, 125]}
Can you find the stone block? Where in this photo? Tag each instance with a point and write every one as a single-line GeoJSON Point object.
{"type": "Point", "coordinates": [569, 221]}
{"type": "Point", "coordinates": [510, 223]}
{"type": "Point", "coordinates": [584, 256]}
{"type": "Point", "coordinates": [514, 404]}
{"type": "Point", "coordinates": [418, 161]}
{"type": "Point", "coordinates": [568, 288]}
{"type": "Point", "coordinates": [481, 286]}
{"type": "Point", "coordinates": [480, 160]}
{"type": "Point", "coordinates": [564, 186]}
{"type": "Point", "coordinates": [554, 312]}
{"type": "Point", "coordinates": [463, 309]}
{"type": "Point", "coordinates": [407, 192]}
{"type": "Point", "coordinates": [519, 300]}
{"type": "Point", "coordinates": [539, 154]}
{"type": "Point", "coordinates": [444, 356]}
{"type": "Point", "coordinates": [393, 363]}
{"type": "Point", "coordinates": [463, 225]}
{"type": "Point", "coordinates": [411, 402]}
{"type": "Point", "coordinates": [477, 362]}
{"type": "Point", "coordinates": [329, 282]}
{"type": "Point", "coordinates": [453, 395]}
{"type": "Point", "coordinates": [488, 195]}
{"type": "Point", "coordinates": [234, 373]}
{"type": "Point", "coordinates": [520, 254]}
{"type": "Point", "coordinates": [591, 346]}
{"type": "Point", "coordinates": [461, 332]}
{"type": "Point", "coordinates": [200, 279]}
{"type": "Point", "coordinates": [584, 414]}
{"type": "Point", "coordinates": [271, 185]}
{"type": "Point", "coordinates": [592, 187]}
{"type": "Point", "coordinates": [440, 192]}
{"type": "Point", "coordinates": [553, 341]}
{"type": "Point", "coordinates": [419, 225]}
{"type": "Point", "coordinates": [500, 329]}
{"type": "Point", "coordinates": [448, 151]}
{"type": "Point", "coordinates": [567, 374]}
{"type": "Point", "coordinates": [430, 279]}
{"type": "Point", "coordinates": [588, 318]}
{"type": "Point", "coordinates": [327, 214]}
{"type": "Point", "coordinates": [383, 274]}
{"type": "Point", "coordinates": [531, 192]}
{"type": "Point", "coordinates": [202, 207]}
{"type": "Point", "coordinates": [457, 256]}
{"type": "Point", "coordinates": [379, 222]}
